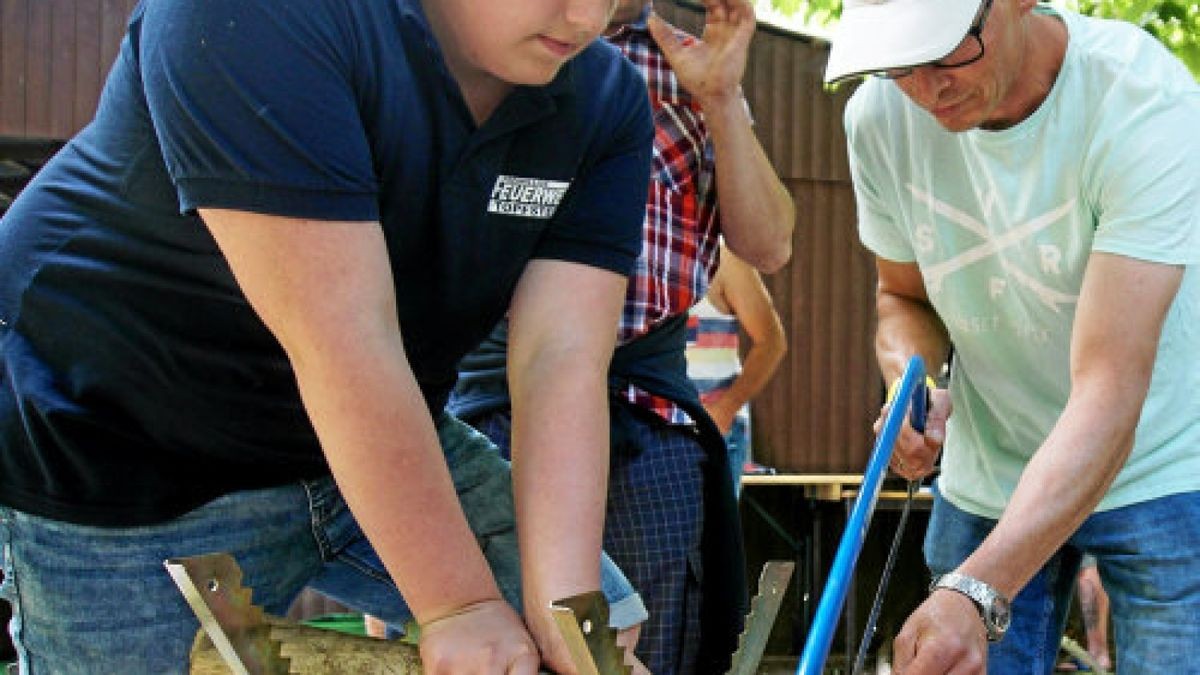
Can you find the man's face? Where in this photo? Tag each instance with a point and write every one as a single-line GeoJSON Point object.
{"type": "Point", "coordinates": [523, 42]}
{"type": "Point", "coordinates": [976, 94]}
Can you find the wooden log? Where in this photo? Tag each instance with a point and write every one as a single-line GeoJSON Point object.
{"type": "Point", "coordinates": [313, 651]}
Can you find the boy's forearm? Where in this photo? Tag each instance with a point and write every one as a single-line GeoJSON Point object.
{"type": "Point", "coordinates": [562, 328]}
{"type": "Point", "coordinates": [325, 290]}
{"type": "Point", "coordinates": [560, 472]}
{"type": "Point", "coordinates": [384, 452]}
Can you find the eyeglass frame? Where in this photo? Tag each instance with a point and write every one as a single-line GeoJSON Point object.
{"type": "Point", "coordinates": [975, 31]}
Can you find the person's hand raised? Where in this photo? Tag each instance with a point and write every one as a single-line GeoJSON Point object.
{"type": "Point", "coordinates": [711, 67]}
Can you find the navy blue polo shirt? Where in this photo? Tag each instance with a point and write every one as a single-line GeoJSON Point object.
{"type": "Point", "coordinates": [136, 382]}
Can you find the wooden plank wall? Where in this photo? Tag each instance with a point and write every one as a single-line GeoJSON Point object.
{"type": "Point", "coordinates": [815, 416]}
{"type": "Point", "coordinates": [54, 55]}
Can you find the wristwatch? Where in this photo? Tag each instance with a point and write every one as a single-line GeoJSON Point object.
{"type": "Point", "coordinates": [994, 608]}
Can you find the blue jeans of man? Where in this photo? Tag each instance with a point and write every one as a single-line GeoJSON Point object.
{"type": "Point", "coordinates": [1148, 556]}
{"type": "Point", "coordinates": [97, 600]}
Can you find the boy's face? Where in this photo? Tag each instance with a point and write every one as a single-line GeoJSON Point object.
{"type": "Point", "coordinates": [523, 42]}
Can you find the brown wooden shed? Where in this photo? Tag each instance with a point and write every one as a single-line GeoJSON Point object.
{"type": "Point", "coordinates": [54, 55]}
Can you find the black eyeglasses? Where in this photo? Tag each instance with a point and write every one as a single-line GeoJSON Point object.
{"type": "Point", "coordinates": [967, 52]}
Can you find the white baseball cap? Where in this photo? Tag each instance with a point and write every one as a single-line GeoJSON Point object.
{"type": "Point", "coordinates": [875, 35]}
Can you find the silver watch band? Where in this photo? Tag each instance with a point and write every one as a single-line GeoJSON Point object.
{"type": "Point", "coordinates": [994, 608]}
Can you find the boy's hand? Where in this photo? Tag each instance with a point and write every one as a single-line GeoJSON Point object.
{"type": "Point", "coordinates": [485, 638]}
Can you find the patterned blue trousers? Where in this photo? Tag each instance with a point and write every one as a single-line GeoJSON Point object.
{"type": "Point", "coordinates": [652, 530]}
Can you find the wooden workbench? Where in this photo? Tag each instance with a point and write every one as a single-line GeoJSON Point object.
{"type": "Point", "coordinates": [820, 505]}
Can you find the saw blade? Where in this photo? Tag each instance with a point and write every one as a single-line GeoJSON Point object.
{"type": "Point", "coordinates": [764, 607]}
{"type": "Point", "coordinates": [860, 657]}
{"type": "Point", "coordinates": [583, 622]}
{"type": "Point", "coordinates": [212, 586]}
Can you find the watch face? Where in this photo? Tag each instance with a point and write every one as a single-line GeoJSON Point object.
{"type": "Point", "coordinates": [994, 609]}
{"type": "Point", "coordinates": [1001, 615]}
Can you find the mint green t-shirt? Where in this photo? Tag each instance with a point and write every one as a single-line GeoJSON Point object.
{"type": "Point", "coordinates": [1002, 224]}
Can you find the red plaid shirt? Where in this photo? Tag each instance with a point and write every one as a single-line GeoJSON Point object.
{"type": "Point", "coordinates": [680, 245]}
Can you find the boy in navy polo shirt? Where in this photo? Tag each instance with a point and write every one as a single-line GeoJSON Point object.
{"type": "Point", "coordinates": [253, 274]}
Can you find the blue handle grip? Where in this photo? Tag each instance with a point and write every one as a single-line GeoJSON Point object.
{"type": "Point", "coordinates": [820, 635]}
{"type": "Point", "coordinates": [920, 404]}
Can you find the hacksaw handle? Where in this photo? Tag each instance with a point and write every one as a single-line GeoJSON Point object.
{"type": "Point", "coordinates": [833, 597]}
{"type": "Point", "coordinates": [920, 406]}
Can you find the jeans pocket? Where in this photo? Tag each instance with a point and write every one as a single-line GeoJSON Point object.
{"type": "Point", "coordinates": [7, 593]}
{"type": "Point", "coordinates": [325, 502]}
{"type": "Point", "coordinates": [7, 585]}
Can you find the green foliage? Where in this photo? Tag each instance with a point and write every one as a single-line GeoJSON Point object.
{"type": "Point", "coordinates": [1176, 23]}
{"type": "Point", "coordinates": [816, 12]}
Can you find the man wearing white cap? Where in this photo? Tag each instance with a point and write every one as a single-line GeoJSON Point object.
{"type": "Point", "coordinates": [1027, 179]}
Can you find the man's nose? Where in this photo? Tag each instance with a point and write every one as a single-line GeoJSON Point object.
{"type": "Point", "coordinates": [926, 84]}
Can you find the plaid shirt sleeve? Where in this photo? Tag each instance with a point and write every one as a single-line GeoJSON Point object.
{"type": "Point", "coordinates": [682, 228]}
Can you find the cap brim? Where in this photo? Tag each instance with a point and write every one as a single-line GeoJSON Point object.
{"type": "Point", "coordinates": [897, 33]}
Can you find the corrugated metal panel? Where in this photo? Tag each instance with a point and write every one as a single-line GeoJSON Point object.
{"type": "Point", "coordinates": [54, 55]}
{"type": "Point", "coordinates": [815, 416]}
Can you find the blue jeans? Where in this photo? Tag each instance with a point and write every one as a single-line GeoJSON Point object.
{"type": "Point", "coordinates": [1148, 556]}
{"type": "Point", "coordinates": [90, 600]}
{"type": "Point", "coordinates": [738, 442]}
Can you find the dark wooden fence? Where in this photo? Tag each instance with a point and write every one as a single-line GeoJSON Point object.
{"type": "Point", "coordinates": [54, 55]}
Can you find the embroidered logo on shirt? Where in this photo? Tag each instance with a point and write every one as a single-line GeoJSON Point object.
{"type": "Point", "coordinates": [526, 197]}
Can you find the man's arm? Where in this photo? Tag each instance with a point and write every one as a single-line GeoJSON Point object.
{"type": "Point", "coordinates": [742, 291]}
{"type": "Point", "coordinates": [562, 331]}
{"type": "Point", "coordinates": [908, 325]}
{"type": "Point", "coordinates": [757, 214]}
{"type": "Point", "coordinates": [1122, 306]}
{"type": "Point", "coordinates": [325, 290]}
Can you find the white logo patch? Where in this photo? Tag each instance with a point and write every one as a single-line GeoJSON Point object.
{"type": "Point", "coordinates": [526, 197]}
